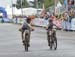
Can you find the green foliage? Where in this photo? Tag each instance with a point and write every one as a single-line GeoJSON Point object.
{"type": "Point", "coordinates": [38, 2]}
{"type": "Point", "coordinates": [61, 1]}
{"type": "Point", "coordinates": [24, 3]}
{"type": "Point", "coordinates": [49, 3]}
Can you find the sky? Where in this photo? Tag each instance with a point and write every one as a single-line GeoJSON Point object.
{"type": "Point", "coordinates": [7, 3]}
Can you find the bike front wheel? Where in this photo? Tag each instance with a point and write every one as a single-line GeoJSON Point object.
{"type": "Point", "coordinates": [26, 42]}
{"type": "Point", "coordinates": [55, 43]}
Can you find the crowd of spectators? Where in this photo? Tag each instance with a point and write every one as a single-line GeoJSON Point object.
{"type": "Point", "coordinates": [63, 21]}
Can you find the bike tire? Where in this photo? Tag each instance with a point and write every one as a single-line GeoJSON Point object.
{"type": "Point", "coordinates": [26, 42]}
{"type": "Point", "coordinates": [55, 43]}
{"type": "Point", "coordinates": [26, 48]}
{"type": "Point", "coordinates": [51, 43]}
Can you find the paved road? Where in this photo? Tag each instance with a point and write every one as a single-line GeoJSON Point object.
{"type": "Point", "coordinates": [11, 46]}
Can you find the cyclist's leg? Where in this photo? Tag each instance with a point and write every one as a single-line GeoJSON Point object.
{"type": "Point", "coordinates": [29, 38]}
{"type": "Point", "coordinates": [48, 38]}
{"type": "Point", "coordinates": [22, 35]}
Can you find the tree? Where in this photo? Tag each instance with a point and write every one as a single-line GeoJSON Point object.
{"type": "Point", "coordinates": [49, 3]}
{"type": "Point", "coordinates": [13, 5]}
{"type": "Point", "coordinates": [24, 3]}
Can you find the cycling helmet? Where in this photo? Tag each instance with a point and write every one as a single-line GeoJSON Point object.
{"type": "Point", "coordinates": [28, 20]}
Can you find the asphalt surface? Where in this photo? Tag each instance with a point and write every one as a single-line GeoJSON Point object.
{"type": "Point", "coordinates": [11, 43]}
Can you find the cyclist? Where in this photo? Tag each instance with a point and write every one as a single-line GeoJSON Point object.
{"type": "Point", "coordinates": [50, 28]}
{"type": "Point", "coordinates": [27, 25]}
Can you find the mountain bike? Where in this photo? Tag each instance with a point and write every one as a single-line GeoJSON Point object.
{"type": "Point", "coordinates": [53, 39]}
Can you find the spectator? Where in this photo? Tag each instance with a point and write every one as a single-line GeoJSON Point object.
{"type": "Point", "coordinates": [66, 25]}
{"type": "Point", "coordinates": [71, 14]}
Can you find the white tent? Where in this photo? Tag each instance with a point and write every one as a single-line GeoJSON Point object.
{"type": "Point", "coordinates": [12, 11]}
{"type": "Point", "coordinates": [58, 8]}
{"type": "Point", "coordinates": [59, 4]}
{"type": "Point", "coordinates": [29, 11]}
{"type": "Point", "coordinates": [9, 12]}
{"type": "Point", "coordinates": [18, 12]}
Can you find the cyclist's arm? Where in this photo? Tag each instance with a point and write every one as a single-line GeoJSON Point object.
{"type": "Point", "coordinates": [55, 25]}
{"type": "Point", "coordinates": [20, 28]}
{"type": "Point", "coordinates": [30, 26]}
{"type": "Point", "coordinates": [47, 26]}
{"type": "Point", "coordinates": [22, 24]}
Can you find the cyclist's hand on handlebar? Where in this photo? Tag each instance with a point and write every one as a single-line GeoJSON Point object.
{"type": "Point", "coordinates": [46, 28]}
{"type": "Point", "coordinates": [20, 29]}
{"type": "Point", "coordinates": [32, 29]}
{"type": "Point", "coordinates": [58, 27]}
